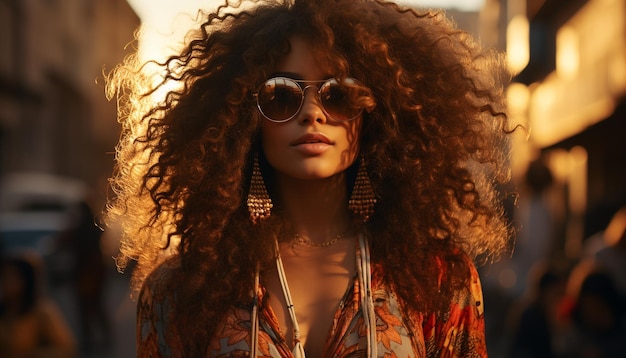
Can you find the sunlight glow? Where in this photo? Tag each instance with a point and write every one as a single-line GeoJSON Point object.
{"type": "Point", "coordinates": [567, 53]}
{"type": "Point", "coordinates": [164, 24]}
{"type": "Point", "coordinates": [517, 43]}
{"type": "Point", "coordinates": [463, 5]}
{"type": "Point", "coordinates": [518, 99]}
{"type": "Point", "coordinates": [590, 74]}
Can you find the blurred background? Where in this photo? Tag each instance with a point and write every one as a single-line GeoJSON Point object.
{"type": "Point", "coordinates": [558, 293]}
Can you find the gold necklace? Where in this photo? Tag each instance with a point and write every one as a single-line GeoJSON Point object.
{"type": "Point", "coordinates": [299, 239]}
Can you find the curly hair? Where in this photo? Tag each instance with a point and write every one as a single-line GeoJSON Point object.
{"type": "Point", "coordinates": [436, 147]}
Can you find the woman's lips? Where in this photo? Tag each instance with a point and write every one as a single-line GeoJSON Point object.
{"type": "Point", "coordinates": [312, 144]}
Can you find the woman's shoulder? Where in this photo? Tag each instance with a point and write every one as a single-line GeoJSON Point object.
{"type": "Point", "coordinates": [455, 263]}
{"type": "Point", "coordinates": [455, 273]}
{"type": "Point", "coordinates": [159, 281]}
{"type": "Point", "coordinates": [156, 306]}
{"type": "Point", "coordinates": [459, 267]}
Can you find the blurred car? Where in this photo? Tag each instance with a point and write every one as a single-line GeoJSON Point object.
{"type": "Point", "coordinates": [26, 191]}
{"type": "Point", "coordinates": [35, 211]}
{"type": "Point", "coordinates": [34, 231]}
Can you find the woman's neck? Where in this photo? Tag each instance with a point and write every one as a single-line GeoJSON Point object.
{"type": "Point", "coordinates": [317, 209]}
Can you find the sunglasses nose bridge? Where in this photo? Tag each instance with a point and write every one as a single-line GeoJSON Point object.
{"type": "Point", "coordinates": [317, 96]}
{"type": "Point", "coordinates": [312, 105]}
{"type": "Point", "coordinates": [307, 87]}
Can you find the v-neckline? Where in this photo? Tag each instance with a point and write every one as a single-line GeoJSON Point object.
{"type": "Point", "coordinates": [272, 319]}
{"type": "Point", "coordinates": [263, 314]}
{"type": "Point", "coordinates": [346, 298]}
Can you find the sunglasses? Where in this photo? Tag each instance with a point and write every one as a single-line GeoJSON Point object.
{"type": "Point", "coordinates": [279, 99]}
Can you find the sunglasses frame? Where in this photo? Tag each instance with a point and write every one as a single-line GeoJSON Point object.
{"type": "Point", "coordinates": [309, 84]}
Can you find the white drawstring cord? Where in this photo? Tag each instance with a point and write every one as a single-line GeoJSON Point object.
{"type": "Point", "coordinates": [254, 319]}
{"type": "Point", "coordinates": [298, 350]}
{"type": "Point", "coordinates": [367, 303]}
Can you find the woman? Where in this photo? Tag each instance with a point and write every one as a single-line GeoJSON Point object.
{"type": "Point", "coordinates": [319, 185]}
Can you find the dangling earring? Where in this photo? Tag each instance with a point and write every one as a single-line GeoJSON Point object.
{"type": "Point", "coordinates": [259, 202]}
{"type": "Point", "coordinates": [362, 200]}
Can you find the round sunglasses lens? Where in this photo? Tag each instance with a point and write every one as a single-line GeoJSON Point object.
{"type": "Point", "coordinates": [340, 99]}
{"type": "Point", "coordinates": [279, 99]}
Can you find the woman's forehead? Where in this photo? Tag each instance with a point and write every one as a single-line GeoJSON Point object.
{"type": "Point", "coordinates": [301, 60]}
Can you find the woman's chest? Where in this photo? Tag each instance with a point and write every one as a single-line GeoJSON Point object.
{"type": "Point", "coordinates": [396, 334]}
{"type": "Point", "coordinates": [317, 282]}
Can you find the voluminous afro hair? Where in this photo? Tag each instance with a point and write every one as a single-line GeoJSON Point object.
{"type": "Point", "coordinates": [435, 145]}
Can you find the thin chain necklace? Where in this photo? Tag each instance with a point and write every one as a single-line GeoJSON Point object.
{"type": "Point", "coordinates": [300, 240]}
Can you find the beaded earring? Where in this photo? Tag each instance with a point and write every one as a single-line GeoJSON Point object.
{"type": "Point", "coordinates": [362, 200]}
{"type": "Point", "coordinates": [259, 202]}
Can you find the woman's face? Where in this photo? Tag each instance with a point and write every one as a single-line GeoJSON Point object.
{"type": "Point", "coordinates": [309, 146]}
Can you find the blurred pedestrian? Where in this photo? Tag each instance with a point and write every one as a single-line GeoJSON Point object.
{"type": "Point", "coordinates": [84, 240]}
{"type": "Point", "coordinates": [612, 257]}
{"type": "Point", "coordinates": [31, 325]}
{"type": "Point", "coordinates": [593, 314]}
{"type": "Point", "coordinates": [536, 238]}
{"type": "Point", "coordinates": [534, 325]}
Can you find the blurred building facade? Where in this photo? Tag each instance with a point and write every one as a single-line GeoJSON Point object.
{"type": "Point", "coordinates": [570, 93]}
{"type": "Point", "coordinates": [568, 64]}
{"type": "Point", "coordinates": [54, 117]}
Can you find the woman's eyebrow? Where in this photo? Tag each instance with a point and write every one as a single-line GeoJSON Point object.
{"type": "Point", "coordinates": [292, 75]}
{"type": "Point", "coordinates": [298, 76]}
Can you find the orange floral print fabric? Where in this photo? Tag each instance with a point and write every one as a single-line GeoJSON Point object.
{"type": "Point", "coordinates": [458, 333]}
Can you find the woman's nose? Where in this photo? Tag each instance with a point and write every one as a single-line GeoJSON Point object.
{"type": "Point", "coordinates": [311, 110]}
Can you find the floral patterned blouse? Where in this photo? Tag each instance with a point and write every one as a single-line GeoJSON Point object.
{"type": "Point", "coordinates": [460, 333]}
